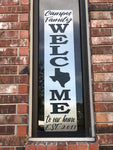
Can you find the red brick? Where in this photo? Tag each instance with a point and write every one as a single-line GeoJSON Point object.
{"type": "Point", "coordinates": [82, 147]}
{"type": "Point", "coordinates": [23, 88]}
{"type": "Point", "coordinates": [102, 23]}
{"type": "Point", "coordinates": [104, 128]}
{"type": "Point", "coordinates": [8, 51]}
{"type": "Point", "coordinates": [1, 69]}
{"type": "Point", "coordinates": [30, 147]}
{"type": "Point", "coordinates": [108, 147]}
{"type": "Point", "coordinates": [103, 107]}
{"type": "Point", "coordinates": [100, 32]}
{"type": "Point", "coordinates": [14, 79]}
{"type": "Point", "coordinates": [104, 117]}
{"type": "Point", "coordinates": [103, 68]}
{"type": "Point", "coordinates": [59, 147]}
{"type": "Point", "coordinates": [7, 130]}
{"type": "Point", "coordinates": [98, 77]}
{"type": "Point", "coordinates": [13, 99]}
{"type": "Point", "coordinates": [100, 15]}
{"type": "Point", "coordinates": [8, 18]}
{"type": "Point", "coordinates": [72, 147]}
{"type": "Point", "coordinates": [24, 17]}
{"type": "Point", "coordinates": [105, 139]}
{"type": "Point", "coordinates": [23, 51]}
{"type": "Point", "coordinates": [112, 15]}
{"type": "Point", "coordinates": [110, 1]}
{"type": "Point", "coordinates": [93, 147]}
{"type": "Point", "coordinates": [12, 69]}
{"type": "Point", "coordinates": [8, 34]}
{"type": "Point", "coordinates": [8, 69]}
{"type": "Point", "coordinates": [24, 34]}
{"type": "Point", "coordinates": [101, 7]}
{"type": "Point", "coordinates": [20, 148]}
{"type": "Point", "coordinates": [103, 87]}
{"type": "Point", "coordinates": [14, 43]}
{"type": "Point", "coordinates": [22, 108]}
{"type": "Point", "coordinates": [61, 144]}
{"type": "Point", "coordinates": [102, 40]}
{"type": "Point", "coordinates": [5, 148]}
{"type": "Point", "coordinates": [102, 49]}
{"type": "Point", "coordinates": [24, 2]}
{"type": "Point", "coordinates": [40, 147]}
{"type": "Point", "coordinates": [102, 58]}
{"type": "Point", "coordinates": [14, 25]}
{"type": "Point", "coordinates": [13, 119]}
{"type": "Point", "coordinates": [21, 130]}
{"type": "Point", "coordinates": [7, 79]}
{"type": "Point", "coordinates": [8, 89]}
{"type": "Point", "coordinates": [17, 79]}
{"type": "Point", "coordinates": [9, 2]}
{"type": "Point", "coordinates": [23, 79]}
{"type": "Point", "coordinates": [14, 9]}
{"type": "Point", "coordinates": [12, 140]}
{"type": "Point", "coordinates": [14, 60]}
{"type": "Point", "coordinates": [23, 70]}
{"type": "Point", "coordinates": [51, 147]}
{"type": "Point", "coordinates": [7, 109]}
{"type": "Point", "coordinates": [104, 97]}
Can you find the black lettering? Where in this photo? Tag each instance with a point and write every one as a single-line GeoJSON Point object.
{"type": "Point", "coordinates": [59, 27]}
{"type": "Point", "coordinates": [60, 106]}
{"type": "Point", "coordinates": [48, 119]}
{"type": "Point", "coordinates": [55, 93]}
{"type": "Point", "coordinates": [57, 38]}
{"type": "Point", "coordinates": [53, 61]}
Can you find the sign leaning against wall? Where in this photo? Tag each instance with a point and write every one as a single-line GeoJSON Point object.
{"type": "Point", "coordinates": [59, 75]}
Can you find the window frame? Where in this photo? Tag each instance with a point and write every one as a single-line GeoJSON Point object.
{"type": "Point", "coordinates": [34, 79]}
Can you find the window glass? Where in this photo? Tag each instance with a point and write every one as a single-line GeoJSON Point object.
{"type": "Point", "coordinates": [60, 6]}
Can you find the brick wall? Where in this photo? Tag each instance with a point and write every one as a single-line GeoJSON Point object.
{"type": "Point", "coordinates": [101, 23]}
{"type": "Point", "coordinates": [14, 78]}
{"type": "Point", "coordinates": [14, 60]}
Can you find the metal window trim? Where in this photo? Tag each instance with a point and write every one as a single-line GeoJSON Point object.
{"type": "Point", "coordinates": [85, 139]}
{"type": "Point", "coordinates": [89, 70]}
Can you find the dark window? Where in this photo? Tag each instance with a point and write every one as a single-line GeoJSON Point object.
{"type": "Point", "coordinates": [75, 9]}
